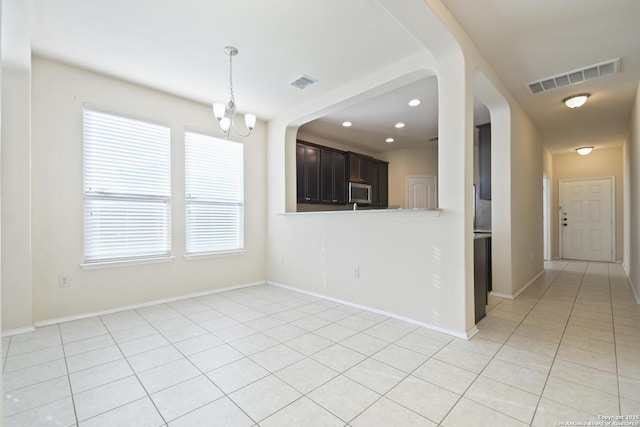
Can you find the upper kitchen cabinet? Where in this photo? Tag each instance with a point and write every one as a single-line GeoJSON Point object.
{"type": "Point", "coordinates": [379, 183]}
{"type": "Point", "coordinates": [359, 168]}
{"type": "Point", "coordinates": [333, 176]}
{"type": "Point", "coordinates": [307, 173]}
{"type": "Point", "coordinates": [484, 148]}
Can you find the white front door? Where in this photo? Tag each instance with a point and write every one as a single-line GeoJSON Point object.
{"type": "Point", "coordinates": [422, 192]}
{"type": "Point", "coordinates": [586, 219]}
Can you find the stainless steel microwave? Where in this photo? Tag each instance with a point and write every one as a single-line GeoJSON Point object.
{"type": "Point", "coordinates": [359, 193]}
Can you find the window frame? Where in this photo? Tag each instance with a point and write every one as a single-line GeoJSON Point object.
{"type": "Point", "coordinates": [191, 252]}
{"type": "Point", "coordinates": [125, 194]}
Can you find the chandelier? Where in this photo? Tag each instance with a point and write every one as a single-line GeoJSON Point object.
{"type": "Point", "coordinates": [225, 114]}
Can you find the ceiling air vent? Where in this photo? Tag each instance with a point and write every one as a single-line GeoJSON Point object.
{"type": "Point", "coordinates": [303, 81]}
{"type": "Point", "coordinates": [576, 76]}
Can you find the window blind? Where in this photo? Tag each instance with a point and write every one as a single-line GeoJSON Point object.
{"type": "Point", "coordinates": [127, 187]}
{"type": "Point", "coordinates": [214, 188]}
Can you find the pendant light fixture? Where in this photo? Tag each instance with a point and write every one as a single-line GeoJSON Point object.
{"type": "Point", "coordinates": [226, 114]}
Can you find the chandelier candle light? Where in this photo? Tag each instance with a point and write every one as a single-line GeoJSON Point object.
{"type": "Point", "coordinates": [226, 121]}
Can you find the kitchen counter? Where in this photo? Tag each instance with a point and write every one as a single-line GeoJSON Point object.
{"type": "Point", "coordinates": [390, 211]}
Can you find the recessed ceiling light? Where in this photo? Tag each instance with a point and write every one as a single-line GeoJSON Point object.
{"type": "Point", "coordinates": [399, 125]}
{"type": "Point", "coordinates": [347, 124]}
{"type": "Point", "coordinates": [414, 102]}
{"type": "Point", "coordinates": [389, 140]}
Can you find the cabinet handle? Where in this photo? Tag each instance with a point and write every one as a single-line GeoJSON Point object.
{"type": "Point", "coordinates": [335, 201]}
{"type": "Point", "coordinates": [308, 198]}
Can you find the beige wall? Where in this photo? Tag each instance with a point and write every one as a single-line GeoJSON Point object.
{"type": "Point", "coordinates": [404, 163]}
{"type": "Point", "coordinates": [16, 166]}
{"type": "Point", "coordinates": [59, 92]}
{"type": "Point", "coordinates": [600, 163]}
{"type": "Point", "coordinates": [632, 199]}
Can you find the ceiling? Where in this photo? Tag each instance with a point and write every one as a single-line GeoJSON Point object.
{"type": "Point", "coordinates": [177, 47]}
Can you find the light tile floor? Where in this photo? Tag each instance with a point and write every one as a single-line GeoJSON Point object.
{"type": "Point", "coordinates": [567, 349]}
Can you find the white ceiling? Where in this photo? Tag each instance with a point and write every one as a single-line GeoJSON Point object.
{"type": "Point", "coordinates": [177, 47]}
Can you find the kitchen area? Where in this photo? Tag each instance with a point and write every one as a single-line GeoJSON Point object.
{"type": "Point", "coordinates": [365, 158]}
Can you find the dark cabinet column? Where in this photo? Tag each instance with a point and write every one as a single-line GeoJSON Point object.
{"type": "Point", "coordinates": [332, 177]}
{"type": "Point", "coordinates": [379, 183]}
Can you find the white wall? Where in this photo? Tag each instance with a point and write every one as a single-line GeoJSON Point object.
{"type": "Point", "coordinates": [632, 199]}
{"type": "Point", "coordinates": [59, 92]}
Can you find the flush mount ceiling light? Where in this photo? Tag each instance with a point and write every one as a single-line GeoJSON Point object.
{"type": "Point", "coordinates": [389, 140]}
{"type": "Point", "coordinates": [576, 101]}
{"type": "Point", "coordinates": [414, 102]}
{"type": "Point", "coordinates": [226, 114]}
{"type": "Point", "coordinates": [399, 125]}
{"type": "Point", "coordinates": [583, 151]}
{"type": "Point", "coordinates": [347, 124]}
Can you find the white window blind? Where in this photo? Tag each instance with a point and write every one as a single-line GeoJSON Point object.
{"type": "Point", "coordinates": [127, 188]}
{"type": "Point", "coordinates": [214, 187]}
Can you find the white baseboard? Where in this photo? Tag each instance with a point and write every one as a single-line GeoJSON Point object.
{"type": "Point", "coordinates": [64, 319]}
{"type": "Point", "coordinates": [633, 289]}
{"type": "Point", "coordinates": [18, 331]}
{"type": "Point", "coordinates": [466, 336]}
{"type": "Point", "coordinates": [520, 290]}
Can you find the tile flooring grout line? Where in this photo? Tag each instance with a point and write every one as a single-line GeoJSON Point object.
{"type": "Point", "coordinates": [462, 395]}
{"type": "Point", "coordinates": [561, 338]}
{"type": "Point", "coordinates": [615, 346]}
{"type": "Point", "coordinates": [66, 365]}
{"type": "Point", "coordinates": [132, 370]}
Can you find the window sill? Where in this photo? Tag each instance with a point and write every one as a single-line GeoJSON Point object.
{"type": "Point", "coordinates": [220, 254]}
{"type": "Point", "coordinates": [98, 265]}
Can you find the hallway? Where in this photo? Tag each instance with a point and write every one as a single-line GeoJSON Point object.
{"type": "Point", "coordinates": [567, 349]}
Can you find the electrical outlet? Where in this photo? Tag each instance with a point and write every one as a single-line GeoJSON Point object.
{"type": "Point", "coordinates": [356, 273]}
{"type": "Point", "coordinates": [63, 281]}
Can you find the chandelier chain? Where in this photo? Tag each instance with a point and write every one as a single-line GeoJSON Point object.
{"type": "Point", "coordinates": [232, 101]}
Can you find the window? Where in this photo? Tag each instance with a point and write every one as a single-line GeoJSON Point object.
{"type": "Point", "coordinates": [214, 187]}
{"type": "Point", "coordinates": [127, 188]}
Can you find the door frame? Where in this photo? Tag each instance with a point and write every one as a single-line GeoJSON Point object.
{"type": "Point", "coordinates": [546, 217]}
{"type": "Point", "coordinates": [613, 212]}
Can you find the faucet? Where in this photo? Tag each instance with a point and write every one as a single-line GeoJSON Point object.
{"type": "Point", "coordinates": [355, 206]}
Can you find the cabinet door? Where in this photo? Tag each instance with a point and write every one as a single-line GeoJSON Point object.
{"type": "Point", "coordinates": [308, 182]}
{"type": "Point", "coordinates": [484, 148]}
{"type": "Point", "coordinates": [340, 178]}
{"type": "Point", "coordinates": [379, 183]}
{"type": "Point", "coordinates": [383, 184]}
{"type": "Point", "coordinates": [332, 177]}
{"type": "Point", "coordinates": [359, 168]}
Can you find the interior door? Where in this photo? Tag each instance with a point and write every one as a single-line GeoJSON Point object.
{"type": "Point", "coordinates": [422, 192]}
{"type": "Point", "coordinates": [586, 219]}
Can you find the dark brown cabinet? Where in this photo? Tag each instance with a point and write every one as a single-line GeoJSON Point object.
{"type": "Point", "coordinates": [481, 274]}
{"type": "Point", "coordinates": [484, 147]}
{"type": "Point", "coordinates": [359, 168]}
{"type": "Point", "coordinates": [379, 172]}
{"type": "Point", "coordinates": [333, 177]}
{"type": "Point", "coordinates": [307, 173]}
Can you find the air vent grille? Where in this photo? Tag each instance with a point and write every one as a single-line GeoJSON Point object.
{"type": "Point", "coordinates": [574, 77]}
{"type": "Point", "coordinates": [303, 81]}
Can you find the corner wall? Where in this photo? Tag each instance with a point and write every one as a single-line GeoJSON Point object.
{"type": "Point", "coordinates": [631, 261]}
{"type": "Point", "coordinates": [59, 92]}
{"type": "Point", "coordinates": [16, 166]}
